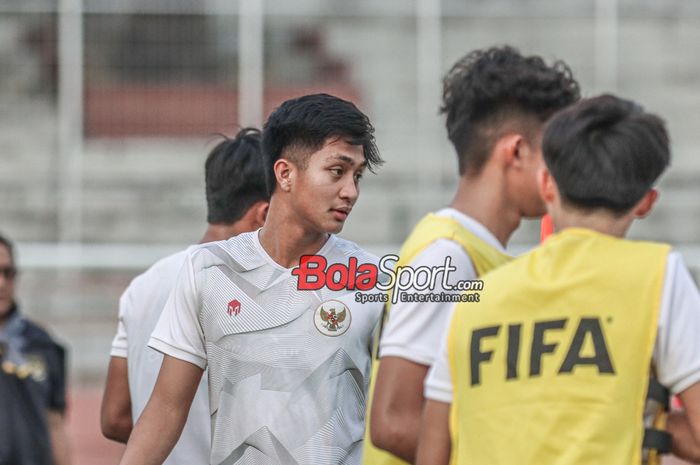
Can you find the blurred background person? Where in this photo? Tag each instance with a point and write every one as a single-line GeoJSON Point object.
{"type": "Point", "coordinates": [32, 382]}
{"type": "Point", "coordinates": [237, 201]}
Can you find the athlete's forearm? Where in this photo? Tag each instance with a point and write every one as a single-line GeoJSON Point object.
{"type": "Point", "coordinates": [115, 414]}
{"type": "Point", "coordinates": [435, 444]}
{"type": "Point", "coordinates": [164, 417]}
{"type": "Point", "coordinates": [60, 448]}
{"type": "Point", "coordinates": [155, 434]}
{"type": "Point", "coordinates": [398, 434]}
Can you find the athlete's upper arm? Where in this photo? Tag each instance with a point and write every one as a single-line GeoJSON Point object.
{"type": "Point", "coordinates": [686, 438]}
{"type": "Point", "coordinates": [179, 332]}
{"type": "Point", "coordinates": [120, 343]}
{"type": "Point", "coordinates": [397, 406]}
{"type": "Point", "coordinates": [438, 383]}
{"type": "Point", "coordinates": [677, 348]}
{"type": "Point", "coordinates": [115, 415]}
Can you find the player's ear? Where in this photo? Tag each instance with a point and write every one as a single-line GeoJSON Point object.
{"type": "Point", "coordinates": [509, 148]}
{"type": "Point", "coordinates": [644, 206]}
{"type": "Point", "coordinates": [261, 208]}
{"type": "Point", "coordinates": [284, 169]}
{"type": "Point", "coordinates": [546, 186]}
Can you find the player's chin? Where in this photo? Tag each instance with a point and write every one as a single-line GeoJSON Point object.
{"type": "Point", "coordinates": [335, 226]}
{"type": "Point", "coordinates": [536, 210]}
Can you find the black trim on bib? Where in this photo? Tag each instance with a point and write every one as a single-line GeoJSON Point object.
{"type": "Point", "coordinates": [657, 440]}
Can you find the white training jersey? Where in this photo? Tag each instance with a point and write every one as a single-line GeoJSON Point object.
{"type": "Point", "coordinates": [414, 329]}
{"type": "Point", "coordinates": [676, 353]}
{"type": "Point", "coordinates": [288, 369]}
{"type": "Point", "coordinates": [140, 307]}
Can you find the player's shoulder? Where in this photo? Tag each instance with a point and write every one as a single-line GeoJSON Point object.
{"type": "Point", "coordinates": [342, 249]}
{"type": "Point", "coordinates": [240, 253]}
{"type": "Point", "coordinates": [436, 252]}
{"type": "Point", "coordinates": [164, 269]}
{"type": "Point", "coordinates": [676, 269]}
{"type": "Point", "coordinates": [35, 335]}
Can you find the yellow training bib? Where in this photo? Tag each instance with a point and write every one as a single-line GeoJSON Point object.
{"type": "Point", "coordinates": [552, 365]}
{"type": "Point", "coordinates": [431, 228]}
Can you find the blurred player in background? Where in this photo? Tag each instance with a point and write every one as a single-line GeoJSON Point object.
{"type": "Point", "coordinates": [237, 202]}
{"type": "Point", "coordinates": [32, 382]}
{"type": "Point", "coordinates": [496, 102]}
{"type": "Point", "coordinates": [552, 365]}
{"type": "Point", "coordinates": [288, 369]}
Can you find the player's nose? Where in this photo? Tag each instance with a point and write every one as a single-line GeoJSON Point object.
{"type": "Point", "coordinates": [350, 190]}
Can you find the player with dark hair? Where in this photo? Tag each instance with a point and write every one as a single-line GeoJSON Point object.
{"type": "Point", "coordinates": [496, 102]}
{"type": "Point", "coordinates": [234, 178]}
{"type": "Point", "coordinates": [237, 202]}
{"type": "Point", "coordinates": [32, 381]}
{"type": "Point", "coordinates": [287, 369]}
{"type": "Point", "coordinates": [552, 365]}
{"type": "Point", "coordinates": [294, 129]}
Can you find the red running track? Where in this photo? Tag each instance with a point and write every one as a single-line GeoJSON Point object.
{"type": "Point", "coordinates": [89, 447]}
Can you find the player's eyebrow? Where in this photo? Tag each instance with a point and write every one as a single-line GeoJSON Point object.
{"type": "Point", "coordinates": [346, 159]}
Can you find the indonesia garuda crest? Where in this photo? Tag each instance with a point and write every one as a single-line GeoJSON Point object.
{"type": "Point", "coordinates": [332, 318]}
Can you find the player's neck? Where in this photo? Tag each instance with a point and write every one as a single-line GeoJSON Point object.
{"type": "Point", "coordinates": [219, 232]}
{"type": "Point", "coordinates": [602, 222]}
{"type": "Point", "coordinates": [485, 201]}
{"type": "Point", "coordinates": [285, 239]}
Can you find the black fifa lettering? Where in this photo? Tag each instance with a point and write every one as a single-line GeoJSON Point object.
{"type": "Point", "coordinates": [601, 358]}
{"type": "Point", "coordinates": [539, 348]}
{"type": "Point", "coordinates": [513, 350]}
{"type": "Point", "coordinates": [477, 356]}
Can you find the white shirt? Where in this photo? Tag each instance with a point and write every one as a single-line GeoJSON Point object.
{"type": "Point", "coordinates": [140, 307]}
{"type": "Point", "coordinates": [286, 386]}
{"type": "Point", "coordinates": [676, 350]}
{"type": "Point", "coordinates": [414, 329]}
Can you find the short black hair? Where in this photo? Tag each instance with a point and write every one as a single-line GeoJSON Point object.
{"type": "Point", "coordinates": [488, 88]}
{"type": "Point", "coordinates": [605, 152]}
{"type": "Point", "coordinates": [9, 246]}
{"type": "Point", "coordinates": [307, 122]}
{"type": "Point", "coordinates": [235, 177]}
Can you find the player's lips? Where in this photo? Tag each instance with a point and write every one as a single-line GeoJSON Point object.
{"type": "Point", "coordinates": [341, 213]}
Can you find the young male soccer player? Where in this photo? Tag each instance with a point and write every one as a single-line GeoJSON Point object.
{"type": "Point", "coordinates": [288, 369]}
{"type": "Point", "coordinates": [552, 365]}
{"type": "Point", "coordinates": [496, 102]}
{"type": "Point", "coordinates": [237, 201]}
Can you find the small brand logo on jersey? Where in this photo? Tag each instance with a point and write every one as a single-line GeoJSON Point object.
{"type": "Point", "coordinates": [332, 318]}
{"type": "Point", "coordinates": [234, 307]}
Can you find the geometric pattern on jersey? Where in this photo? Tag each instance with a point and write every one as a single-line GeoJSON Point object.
{"type": "Point", "coordinates": [322, 440]}
{"type": "Point", "coordinates": [281, 392]}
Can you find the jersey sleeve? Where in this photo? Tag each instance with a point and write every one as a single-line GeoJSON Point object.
{"type": "Point", "coordinates": [414, 329]}
{"type": "Point", "coordinates": [57, 378]}
{"type": "Point", "coordinates": [179, 332]}
{"type": "Point", "coordinates": [438, 383]}
{"type": "Point", "coordinates": [677, 347]}
{"type": "Point", "coordinates": [120, 343]}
